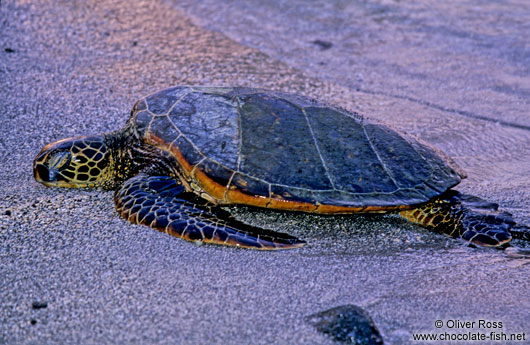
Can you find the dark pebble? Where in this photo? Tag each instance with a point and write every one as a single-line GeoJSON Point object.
{"type": "Point", "coordinates": [323, 45]}
{"type": "Point", "coordinates": [348, 324]}
{"type": "Point", "coordinates": [39, 305]}
{"type": "Point", "coordinates": [33, 321]}
{"type": "Point", "coordinates": [9, 50]}
{"type": "Point", "coordinates": [7, 212]}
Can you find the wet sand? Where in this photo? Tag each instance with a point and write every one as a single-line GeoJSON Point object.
{"type": "Point", "coordinates": [69, 68]}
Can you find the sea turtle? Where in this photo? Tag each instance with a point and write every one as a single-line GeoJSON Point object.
{"type": "Point", "coordinates": [185, 151]}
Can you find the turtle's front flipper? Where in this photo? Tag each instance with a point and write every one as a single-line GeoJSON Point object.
{"type": "Point", "coordinates": [471, 218]}
{"type": "Point", "coordinates": [163, 204]}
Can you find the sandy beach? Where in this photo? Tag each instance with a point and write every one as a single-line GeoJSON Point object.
{"type": "Point", "coordinates": [73, 272]}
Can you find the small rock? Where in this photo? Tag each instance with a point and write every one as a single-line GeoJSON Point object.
{"type": "Point", "coordinates": [39, 305]}
{"type": "Point", "coordinates": [323, 45]}
{"type": "Point", "coordinates": [348, 324]}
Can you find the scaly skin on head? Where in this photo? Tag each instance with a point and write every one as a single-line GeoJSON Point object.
{"type": "Point", "coordinates": [86, 162]}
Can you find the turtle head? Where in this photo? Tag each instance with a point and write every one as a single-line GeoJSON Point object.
{"type": "Point", "coordinates": [79, 162]}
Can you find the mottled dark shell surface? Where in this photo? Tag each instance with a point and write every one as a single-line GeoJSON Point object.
{"type": "Point", "coordinates": [275, 145]}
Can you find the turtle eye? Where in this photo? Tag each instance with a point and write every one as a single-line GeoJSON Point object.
{"type": "Point", "coordinates": [60, 160]}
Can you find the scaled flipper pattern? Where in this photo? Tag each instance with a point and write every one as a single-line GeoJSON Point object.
{"type": "Point", "coordinates": [464, 216]}
{"type": "Point", "coordinates": [163, 204]}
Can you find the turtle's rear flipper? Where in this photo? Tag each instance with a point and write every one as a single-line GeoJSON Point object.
{"type": "Point", "coordinates": [163, 204]}
{"type": "Point", "coordinates": [469, 217]}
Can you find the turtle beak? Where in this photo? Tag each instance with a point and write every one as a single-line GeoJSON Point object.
{"type": "Point", "coordinates": [41, 173]}
{"type": "Point", "coordinates": [46, 169]}
{"type": "Point", "coordinates": [40, 170]}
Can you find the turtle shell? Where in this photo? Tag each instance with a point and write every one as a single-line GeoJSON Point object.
{"type": "Point", "coordinates": [276, 150]}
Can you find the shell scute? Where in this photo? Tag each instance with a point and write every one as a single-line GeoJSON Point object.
{"type": "Point", "coordinates": [293, 194]}
{"type": "Point", "coordinates": [347, 153]}
{"type": "Point", "coordinates": [216, 172]}
{"type": "Point", "coordinates": [250, 185]}
{"type": "Point", "coordinates": [142, 119]}
{"type": "Point", "coordinates": [183, 147]}
{"type": "Point", "coordinates": [162, 128]}
{"type": "Point", "coordinates": [276, 144]}
{"type": "Point", "coordinates": [210, 122]}
{"type": "Point", "coordinates": [162, 101]}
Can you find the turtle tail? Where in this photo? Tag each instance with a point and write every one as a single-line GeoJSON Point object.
{"type": "Point", "coordinates": [468, 217]}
